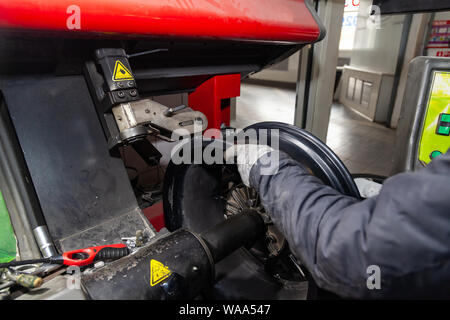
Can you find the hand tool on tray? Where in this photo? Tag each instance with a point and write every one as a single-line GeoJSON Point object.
{"type": "Point", "coordinates": [79, 257]}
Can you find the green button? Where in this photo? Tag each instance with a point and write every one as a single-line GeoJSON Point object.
{"type": "Point", "coordinates": [434, 154]}
{"type": "Point", "coordinates": [444, 130]}
{"type": "Point", "coordinates": [445, 117]}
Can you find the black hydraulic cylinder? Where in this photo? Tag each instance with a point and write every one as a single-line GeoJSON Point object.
{"type": "Point", "coordinates": [177, 266]}
{"type": "Point", "coordinates": [174, 267]}
{"type": "Point", "coordinates": [19, 170]}
{"type": "Point", "coordinates": [13, 160]}
{"type": "Point", "coordinates": [241, 230]}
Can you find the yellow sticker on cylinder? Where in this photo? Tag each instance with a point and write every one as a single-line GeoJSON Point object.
{"type": "Point", "coordinates": [158, 272]}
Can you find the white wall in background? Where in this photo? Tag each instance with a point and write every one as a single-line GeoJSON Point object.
{"type": "Point", "coordinates": [348, 30]}
{"type": "Point", "coordinates": [442, 15]}
{"type": "Point", "coordinates": [376, 48]}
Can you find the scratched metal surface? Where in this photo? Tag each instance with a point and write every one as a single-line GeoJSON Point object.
{"type": "Point", "coordinates": [79, 185]}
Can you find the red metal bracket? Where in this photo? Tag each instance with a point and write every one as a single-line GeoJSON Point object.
{"type": "Point", "coordinates": [212, 98]}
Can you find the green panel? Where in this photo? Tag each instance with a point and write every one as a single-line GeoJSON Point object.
{"type": "Point", "coordinates": [7, 237]}
{"type": "Point", "coordinates": [438, 103]}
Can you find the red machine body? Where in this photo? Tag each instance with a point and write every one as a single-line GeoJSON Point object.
{"type": "Point", "coordinates": [212, 98]}
{"type": "Point", "coordinates": [264, 20]}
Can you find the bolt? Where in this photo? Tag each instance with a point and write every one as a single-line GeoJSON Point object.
{"type": "Point", "coordinates": [120, 85]}
{"type": "Point", "coordinates": [119, 118]}
{"type": "Point", "coordinates": [121, 94]}
{"type": "Point", "coordinates": [194, 268]}
{"type": "Point", "coordinates": [186, 123]}
{"type": "Point", "coordinates": [130, 83]}
{"type": "Point", "coordinates": [133, 93]}
{"type": "Point", "coordinates": [147, 111]}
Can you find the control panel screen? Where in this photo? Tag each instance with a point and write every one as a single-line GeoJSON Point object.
{"type": "Point", "coordinates": [435, 138]}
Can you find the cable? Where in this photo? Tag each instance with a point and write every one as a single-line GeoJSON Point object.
{"type": "Point", "coordinates": [145, 52]}
{"type": "Point", "coordinates": [24, 262]}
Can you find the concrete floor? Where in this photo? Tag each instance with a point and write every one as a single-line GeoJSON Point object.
{"type": "Point", "coordinates": [364, 146]}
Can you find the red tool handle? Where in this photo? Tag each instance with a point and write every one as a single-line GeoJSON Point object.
{"type": "Point", "coordinates": [86, 256]}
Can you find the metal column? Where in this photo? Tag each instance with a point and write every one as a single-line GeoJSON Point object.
{"type": "Point", "coordinates": [317, 72]}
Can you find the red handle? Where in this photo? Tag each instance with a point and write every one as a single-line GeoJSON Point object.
{"type": "Point", "coordinates": [88, 253]}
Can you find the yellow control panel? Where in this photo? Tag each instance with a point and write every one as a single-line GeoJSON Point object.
{"type": "Point", "coordinates": [435, 139]}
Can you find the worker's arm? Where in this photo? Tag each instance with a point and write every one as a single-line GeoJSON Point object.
{"type": "Point", "coordinates": [405, 230]}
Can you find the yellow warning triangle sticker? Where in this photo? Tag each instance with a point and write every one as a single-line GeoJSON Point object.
{"type": "Point", "coordinates": [158, 272]}
{"type": "Point", "coordinates": [121, 73]}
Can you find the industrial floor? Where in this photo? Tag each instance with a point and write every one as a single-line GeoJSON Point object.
{"type": "Point", "coordinates": [364, 146]}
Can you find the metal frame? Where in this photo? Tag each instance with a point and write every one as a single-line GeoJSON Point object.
{"type": "Point", "coordinates": [316, 87]}
{"type": "Point", "coordinates": [411, 6]}
{"type": "Point", "coordinates": [144, 112]}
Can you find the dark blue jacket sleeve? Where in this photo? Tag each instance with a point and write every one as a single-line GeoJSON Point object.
{"type": "Point", "coordinates": [405, 230]}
